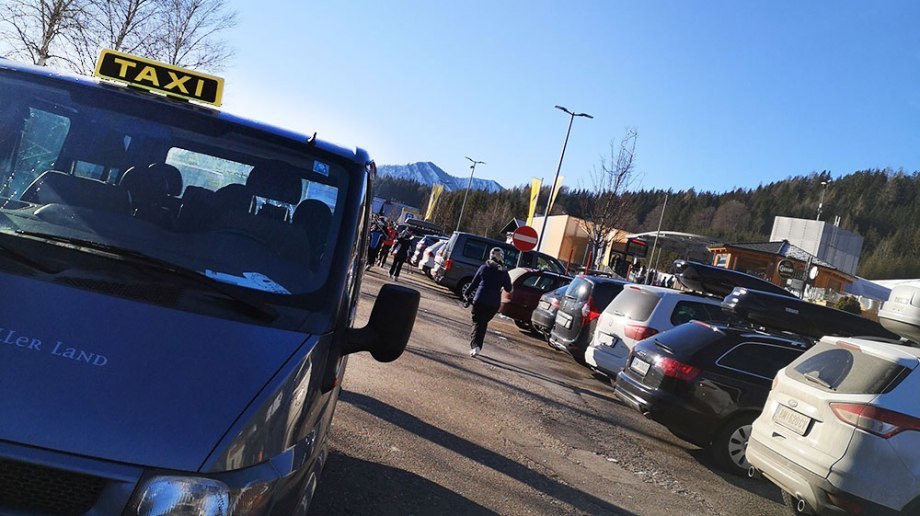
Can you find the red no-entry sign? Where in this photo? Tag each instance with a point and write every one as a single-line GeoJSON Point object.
{"type": "Point", "coordinates": [524, 238]}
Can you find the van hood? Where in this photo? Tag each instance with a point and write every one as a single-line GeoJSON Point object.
{"type": "Point", "coordinates": [114, 379]}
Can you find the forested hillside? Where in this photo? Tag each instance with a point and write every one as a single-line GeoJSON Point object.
{"type": "Point", "coordinates": [881, 205]}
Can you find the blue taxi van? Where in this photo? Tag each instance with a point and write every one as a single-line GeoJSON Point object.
{"type": "Point", "coordinates": [177, 292]}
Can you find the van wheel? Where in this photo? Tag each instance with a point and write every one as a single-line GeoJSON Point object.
{"type": "Point", "coordinates": [729, 446]}
{"type": "Point", "coordinates": [461, 287]}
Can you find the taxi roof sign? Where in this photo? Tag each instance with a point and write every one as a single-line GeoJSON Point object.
{"type": "Point", "coordinates": [159, 77]}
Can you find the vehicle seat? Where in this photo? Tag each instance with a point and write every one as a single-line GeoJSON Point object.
{"type": "Point", "coordinates": [316, 218]}
{"type": "Point", "coordinates": [53, 187]}
{"type": "Point", "coordinates": [278, 182]}
{"type": "Point", "coordinates": [153, 190]}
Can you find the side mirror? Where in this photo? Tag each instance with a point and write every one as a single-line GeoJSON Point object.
{"type": "Point", "coordinates": [390, 326]}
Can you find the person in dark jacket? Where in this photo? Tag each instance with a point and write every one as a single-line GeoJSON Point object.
{"type": "Point", "coordinates": [400, 253]}
{"type": "Point", "coordinates": [485, 294]}
{"type": "Point", "coordinates": [374, 243]}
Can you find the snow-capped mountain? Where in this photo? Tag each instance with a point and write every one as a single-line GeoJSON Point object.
{"type": "Point", "coordinates": [430, 174]}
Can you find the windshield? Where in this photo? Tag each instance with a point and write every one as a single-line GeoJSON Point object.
{"type": "Point", "coordinates": [237, 205]}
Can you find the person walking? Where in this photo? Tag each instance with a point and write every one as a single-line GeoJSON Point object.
{"type": "Point", "coordinates": [485, 294]}
{"type": "Point", "coordinates": [374, 243]}
{"type": "Point", "coordinates": [387, 244]}
{"type": "Point", "coordinates": [400, 253]}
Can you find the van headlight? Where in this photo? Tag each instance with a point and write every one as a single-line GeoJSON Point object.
{"type": "Point", "coordinates": [199, 496]}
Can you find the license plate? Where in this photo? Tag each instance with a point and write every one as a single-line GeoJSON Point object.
{"type": "Point", "coordinates": [543, 305]}
{"type": "Point", "coordinates": [605, 339]}
{"type": "Point", "coordinates": [640, 366]}
{"type": "Point", "coordinates": [791, 419]}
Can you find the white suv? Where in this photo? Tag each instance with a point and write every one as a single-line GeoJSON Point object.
{"type": "Point", "coordinates": [640, 311]}
{"type": "Point", "coordinates": [840, 432]}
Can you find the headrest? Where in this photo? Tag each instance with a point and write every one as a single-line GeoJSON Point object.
{"type": "Point", "coordinates": [142, 184]}
{"type": "Point", "coordinates": [311, 212]}
{"type": "Point", "coordinates": [276, 181]}
{"type": "Point", "coordinates": [171, 174]}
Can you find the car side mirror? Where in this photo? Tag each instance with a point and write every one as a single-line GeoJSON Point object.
{"type": "Point", "coordinates": [390, 326]}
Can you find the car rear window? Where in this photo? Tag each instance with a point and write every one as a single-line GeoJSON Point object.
{"type": "Point", "coordinates": [604, 294]}
{"type": "Point", "coordinates": [685, 340]}
{"type": "Point", "coordinates": [579, 289]}
{"type": "Point", "coordinates": [758, 359]}
{"type": "Point", "coordinates": [835, 369]}
{"type": "Point", "coordinates": [636, 304]}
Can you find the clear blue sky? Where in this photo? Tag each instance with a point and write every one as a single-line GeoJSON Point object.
{"type": "Point", "coordinates": [723, 94]}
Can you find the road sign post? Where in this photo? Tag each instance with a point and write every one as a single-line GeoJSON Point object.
{"type": "Point", "coordinates": [524, 239]}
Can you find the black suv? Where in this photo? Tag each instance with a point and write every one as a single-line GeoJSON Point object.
{"type": "Point", "coordinates": [707, 383]}
{"type": "Point", "coordinates": [584, 301]}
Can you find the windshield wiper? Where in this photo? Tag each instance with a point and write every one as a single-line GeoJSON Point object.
{"type": "Point", "coordinates": [24, 258]}
{"type": "Point", "coordinates": [662, 346]}
{"type": "Point", "coordinates": [813, 377]}
{"type": "Point", "coordinates": [260, 310]}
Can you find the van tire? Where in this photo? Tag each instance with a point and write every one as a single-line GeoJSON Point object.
{"type": "Point", "coordinates": [461, 286]}
{"type": "Point", "coordinates": [523, 325]}
{"type": "Point", "coordinates": [727, 448]}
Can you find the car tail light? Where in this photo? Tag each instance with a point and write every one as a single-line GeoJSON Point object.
{"type": "Point", "coordinates": [676, 369]}
{"type": "Point", "coordinates": [554, 302]}
{"type": "Point", "coordinates": [878, 421]}
{"type": "Point", "coordinates": [588, 312]}
{"type": "Point", "coordinates": [447, 263]}
{"type": "Point", "coordinates": [638, 332]}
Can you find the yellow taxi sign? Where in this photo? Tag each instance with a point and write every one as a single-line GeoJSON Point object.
{"type": "Point", "coordinates": [160, 77]}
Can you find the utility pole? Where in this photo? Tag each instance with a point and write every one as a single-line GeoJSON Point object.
{"type": "Point", "coordinates": [468, 185]}
{"type": "Point", "coordinates": [558, 168]}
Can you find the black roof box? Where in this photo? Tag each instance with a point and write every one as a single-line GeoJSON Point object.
{"type": "Point", "coordinates": [801, 317]}
{"type": "Point", "coordinates": [719, 281]}
{"type": "Point", "coordinates": [901, 313]}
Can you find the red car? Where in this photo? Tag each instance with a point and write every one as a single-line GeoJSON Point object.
{"type": "Point", "coordinates": [527, 287]}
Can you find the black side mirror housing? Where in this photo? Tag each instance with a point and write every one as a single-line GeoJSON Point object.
{"type": "Point", "coordinates": [390, 326]}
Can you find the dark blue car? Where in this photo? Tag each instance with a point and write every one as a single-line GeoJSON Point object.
{"type": "Point", "coordinates": [177, 289]}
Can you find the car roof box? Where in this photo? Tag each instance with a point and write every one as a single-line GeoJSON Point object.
{"type": "Point", "coordinates": [901, 313]}
{"type": "Point", "coordinates": [801, 317]}
{"type": "Point", "coordinates": [719, 281]}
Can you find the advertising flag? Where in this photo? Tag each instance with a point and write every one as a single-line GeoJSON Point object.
{"type": "Point", "coordinates": [433, 201]}
{"type": "Point", "coordinates": [535, 185]}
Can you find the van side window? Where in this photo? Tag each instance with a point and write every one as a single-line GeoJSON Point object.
{"type": "Point", "coordinates": [687, 311]}
{"type": "Point", "coordinates": [475, 250]}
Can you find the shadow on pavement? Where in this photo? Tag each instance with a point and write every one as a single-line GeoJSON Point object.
{"type": "Point", "coordinates": [761, 487]}
{"type": "Point", "coordinates": [580, 500]}
{"type": "Point", "coordinates": [354, 486]}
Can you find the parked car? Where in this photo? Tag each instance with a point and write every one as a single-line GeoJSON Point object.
{"type": "Point", "coordinates": [423, 244]}
{"type": "Point", "coordinates": [707, 382]}
{"type": "Point", "coordinates": [465, 252]}
{"type": "Point", "coordinates": [584, 300]}
{"type": "Point", "coordinates": [640, 311]}
{"type": "Point", "coordinates": [528, 286]}
{"type": "Point", "coordinates": [426, 263]}
{"type": "Point", "coordinates": [840, 432]}
{"type": "Point", "coordinates": [544, 315]}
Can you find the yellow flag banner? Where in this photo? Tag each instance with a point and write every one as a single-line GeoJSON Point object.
{"type": "Point", "coordinates": [552, 197]}
{"type": "Point", "coordinates": [433, 201]}
{"type": "Point", "coordinates": [535, 185]}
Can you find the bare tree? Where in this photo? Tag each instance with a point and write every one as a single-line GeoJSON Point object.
{"type": "Point", "coordinates": [37, 30]}
{"type": "Point", "coordinates": [70, 33]}
{"type": "Point", "coordinates": [125, 25]}
{"type": "Point", "coordinates": [605, 207]}
{"type": "Point", "coordinates": [189, 33]}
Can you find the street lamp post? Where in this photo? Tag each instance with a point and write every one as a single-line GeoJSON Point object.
{"type": "Point", "coordinates": [558, 168]}
{"type": "Point", "coordinates": [468, 185]}
{"type": "Point", "coordinates": [821, 202]}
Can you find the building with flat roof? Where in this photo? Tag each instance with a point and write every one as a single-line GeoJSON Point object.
{"type": "Point", "coordinates": [826, 241]}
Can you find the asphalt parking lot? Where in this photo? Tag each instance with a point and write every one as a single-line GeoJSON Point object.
{"type": "Point", "coordinates": [522, 429]}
